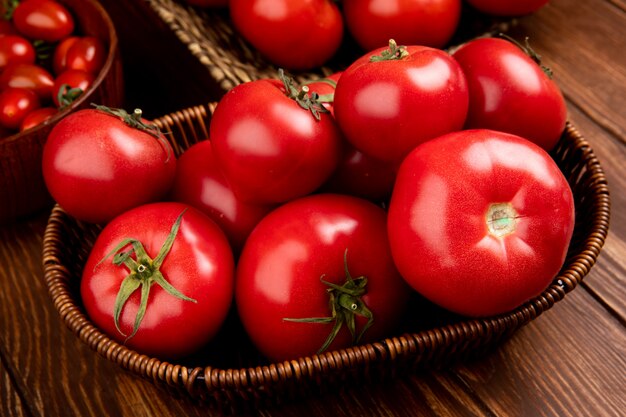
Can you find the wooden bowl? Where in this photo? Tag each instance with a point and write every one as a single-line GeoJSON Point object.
{"type": "Point", "coordinates": [22, 189]}
{"type": "Point", "coordinates": [230, 374]}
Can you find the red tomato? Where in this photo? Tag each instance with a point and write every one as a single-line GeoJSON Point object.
{"type": "Point", "coordinates": [293, 34]}
{"type": "Point", "coordinates": [69, 85]}
{"type": "Point", "coordinates": [45, 20]}
{"type": "Point", "coordinates": [508, 7]}
{"type": "Point", "coordinates": [269, 148]}
{"type": "Point", "coordinates": [199, 266]}
{"type": "Point", "coordinates": [409, 22]}
{"type": "Point", "coordinates": [15, 49]}
{"type": "Point", "coordinates": [201, 184]}
{"type": "Point", "coordinates": [15, 104]}
{"type": "Point", "coordinates": [30, 76]}
{"type": "Point", "coordinates": [509, 92]}
{"type": "Point", "coordinates": [97, 166]}
{"type": "Point", "coordinates": [289, 256]}
{"type": "Point", "coordinates": [59, 58]}
{"type": "Point", "coordinates": [37, 117]}
{"type": "Point", "coordinates": [480, 221]}
{"type": "Point", "coordinates": [6, 27]}
{"type": "Point", "coordinates": [387, 107]}
{"type": "Point", "coordinates": [88, 54]}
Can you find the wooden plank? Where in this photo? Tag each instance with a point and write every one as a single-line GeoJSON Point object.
{"type": "Point", "coordinates": [11, 404]}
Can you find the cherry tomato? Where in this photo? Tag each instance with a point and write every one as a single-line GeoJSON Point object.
{"type": "Point", "coordinates": [510, 92]}
{"type": "Point", "coordinates": [59, 58]}
{"type": "Point", "coordinates": [69, 85]}
{"type": "Point", "coordinates": [198, 265]}
{"type": "Point", "coordinates": [480, 221]}
{"type": "Point", "coordinates": [293, 34]}
{"type": "Point", "coordinates": [46, 20]}
{"type": "Point", "coordinates": [508, 7]}
{"type": "Point", "coordinates": [269, 148]}
{"type": "Point", "coordinates": [37, 117]}
{"type": "Point", "coordinates": [15, 104]}
{"type": "Point", "coordinates": [392, 99]}
{"type": "Point", "coordinates": [96, 165]}
{"type": "Point", "coordinates": [409, 22]}
{"type": "Point", "coordinates": [292, 255]}
{"type": "Point", "coordinates": [15, 49]}
{"type": "Point", "coordinates": [6, 27]}
{"type": "Point", "coordinates": [201, 184]}
{"type": "Point", "coordinates": [88, 54]}
{"type": "Point", "coordinates": [29, 76]}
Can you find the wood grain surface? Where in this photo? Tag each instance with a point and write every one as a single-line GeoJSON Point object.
{"type": "Point", "coordinates": [571, 361]}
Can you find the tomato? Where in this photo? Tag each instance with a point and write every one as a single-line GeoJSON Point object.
{"type": "Point", "coordinates": [508, 7]}
{"type": "Point", "coordinates": [201, 184]}
{"type": "Point", "coordinates": [87, 54]}
{"type": "Point", "coordinates": [293, 34]}
{"type": "Point", "coordinates": [6, 27]}
{"type": "Point", "coordinates": [289, 259]}
{"type": "Point", "coordinates": [59, 57]}
{"type": "Point", "coordinates": [96, 165]}
{"type": "Point", "coordinates": [46, 20]}
{"type": "Point", "coordinates": [409, 22]}
{"type": "Point", "coordinates": [15, 104]}
{"type": "Point", "coordinates": [390, 100]}
{"type": "Point", "coordinates": [480, 221]}
{"type": "Point", "coordinates": [30, 76]}
{"type": "Point", "coordinates": [198, 266]}
{"type": "Point", "coordinates": [15, 49]}
{"type": "Point", "coordinates": [269, 148]}
{"type": "Point", "coordinates": [510, 92]}
{"type": "Point", "coordinates": [37, 117]}
{"type": "Point", "coordinates": [69, 85]}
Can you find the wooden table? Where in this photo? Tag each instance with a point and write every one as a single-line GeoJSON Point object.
{"type": "Point", "coordinates": [571, 361]}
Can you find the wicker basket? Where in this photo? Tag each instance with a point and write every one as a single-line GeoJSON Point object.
{"type": "Point", "coordinates": [230, 374]}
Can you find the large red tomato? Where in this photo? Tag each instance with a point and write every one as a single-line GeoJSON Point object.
{"type": "Point", "coordinates": [480, 221]}
{"type": "Point", "coordinates": [409, 22]}
{"type": "Point", "coordinates": [308, 255]}
{"type": "Point", "coordinates": [392, 99]}
{"type": "Point", "coordinates": [508, 91]}
{"type": "Point", "coordinates": [169, 262]}
{"type": "Point", "coordinates": [97, 165]}
{"type": "Point", "coordinates": [508, 7]}
{"type": "Point", "coordinates": [201, 184]}
{"type": "Point", "coordinates": [269, 148]}
{"type": "Point", "coordinates": [293, 34]}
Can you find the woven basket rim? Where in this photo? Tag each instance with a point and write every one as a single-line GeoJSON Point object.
{"type": "Point", "coordinates": [406, 345]}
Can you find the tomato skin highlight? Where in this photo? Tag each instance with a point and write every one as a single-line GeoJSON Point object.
{"type": "Point", "coordinates": [295, 246]}
{"type": "Point", "coordinates": [15, 105]}
{"type": "Point", "coordinates": [200, 265]}
{"type": "Point", "coordinates": [15, 49]}
{"type": "Point", "coordinates": [46, 20]}
{"type": "Point", "coordinates": [438, 221]}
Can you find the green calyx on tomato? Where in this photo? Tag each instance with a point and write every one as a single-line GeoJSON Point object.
{"type": "Point", "coordinates": [345, 304]}
{"type": "Point", "coordinates": [393, 53]}
{"type": "Point", "coordinates": [144, 272]}
{"type": "Point", "coordinates": [67, 95]}
{"type": "Point", "coordinates": [528, 50]}
{"type": "Point", "coordinates": [308, 101]}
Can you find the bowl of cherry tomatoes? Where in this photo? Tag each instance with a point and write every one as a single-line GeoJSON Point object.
{"type": "Point", "coordinates": [56, 56]}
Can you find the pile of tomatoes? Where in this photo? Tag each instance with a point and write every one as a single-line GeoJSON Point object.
{"type": "Point", "coordinates": [304, 34]}
{"type": "Point", "coordinates": [44, 64]}
{"type": "Point", "coordinates": [320, 208]}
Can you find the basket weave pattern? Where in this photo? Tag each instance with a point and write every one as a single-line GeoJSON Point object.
{"type": "Point", "coordinates": [67, 243]}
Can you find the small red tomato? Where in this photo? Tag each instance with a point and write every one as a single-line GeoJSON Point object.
{"type": "Point", "coordinates": [201, 184]}
{"type": "Point", "coordinates": [30, 76]}
{"type": "Point", "coordinates": [59, 58]}
{"type": "Point", "coordinates": [7, 28]}
{"type": "Point", "coordinates": [88, 54]}
{"type": "Point", "coordinates": [15, 49]}
{"type": "Point", "coordinates": [46, 20]}
{"type": "Point", "coordinates": [508, 7]}
{"type": "Point", "coordinates": [15, 104]}
{"type": "Point", "coordinates": [37, 117]}
{"type": "Point", "coordinates": [69, 85]}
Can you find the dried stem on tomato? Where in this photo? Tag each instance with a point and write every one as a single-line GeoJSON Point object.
{"type": "Point", "coordinates": [307, 100]}
{"type": "Point", "coordinates": [393, 53]}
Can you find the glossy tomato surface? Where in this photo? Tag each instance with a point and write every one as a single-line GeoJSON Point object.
{"type": "Point", "coordinates": [199, 265]}
{"type": "Point", "coordinates": [70, 80]}
{"type": "Point", "coordinates": [510, 92]}
{"type": "Point", "coordinates": [201, 184]}
{"type": "Point", "coordinates": [15, 104]}
{"type": "Point", "coordinates": [480, 221]}
{"type": "Point", "coordinates": [269, 148]}
{"type": "Point", "coordinates": [30, 76]}
{"type": "Point", "coordinates": [386, 108]}
{"type": "Point", "coordinates": [290, 252]}
{"type": "Point", "coordinates": [88, 54]}
{"type": "Point", "coordinates": [292, 34]}
{"type": "Point", "coordinates": [96, 166]}
{"type": "Point", "coordinates": [408, 22]}
{"type": "Point", "coordinates": [508, 7]}
{"type": "Point", "coordinates": [36, 117]}
{"type": "Point", "coordinates": [59, 57]}
{"type": "Point", "coordinates": [46, 20]}
{"type": "Point", "coordinates": [15, 50]}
